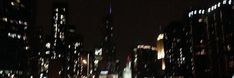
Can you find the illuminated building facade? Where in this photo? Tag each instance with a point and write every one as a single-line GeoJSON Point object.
{"type": "Point", "coordinates": [61, 55]}
{"type": "Point", "coordinates": [178, 54]}
{"type": "Point", "coordinates": [15, 18]}
{"type": "Point", "coordinates": [213, 42]}
{"type": "Point", "coordinates": [144, 62]}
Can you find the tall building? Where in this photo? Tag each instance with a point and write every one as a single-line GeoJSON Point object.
{"type": "Point", "coordinates": [109, 60]}
{"type": "Point", "coordinates": [178, 54]}
{"type": "Point", "coordinates": [15, 18]}
{"type": "Point", "coordinates": [213, 40]}
{"type": "Point", "coordinates": [144, 62]}
{"type": "Point", "coordinates": [61, 55]}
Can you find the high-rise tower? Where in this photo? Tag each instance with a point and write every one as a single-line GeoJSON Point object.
{"type": "Point", "coordinates": [108, 61]}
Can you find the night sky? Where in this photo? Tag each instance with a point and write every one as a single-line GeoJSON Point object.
{"type": "Point", "coordinates": [135, 21]}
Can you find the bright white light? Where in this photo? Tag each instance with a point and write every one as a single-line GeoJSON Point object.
{"type": "Point", "coordinates": [195, 12]}
{"type": "Point", "coordinates": [199, 11]}
{"type": "Point", "coordinates": [25, 23]}
{"type": "Point", "coordinates": [203, 11]}
{"type": "Point", "coordinates": [230, 2]}
{"type": "Point", "coordinates": [56, 9]}
{"type": "Point", "coordinates": [160, 36]}
{"type": "Point", "coordinates": [47, 52]}
{"type": "Point", "coordinates": [104, 72]}
{"type": "Point", "coordinates": [212, 8]}
{"type": "Point", "coordinates": [215, 6]}
{"type": "Point", "coordinates": [77, 44]}
{"type": "Point", "coordinates": [4, 19]}
{"type": "Point", "coordinates": [18, 36]}
{"type": "Point", "coordinates": [12, 3]}
{"type": "Point", "coordinates": [219, 4]}
{"type": "Point", "coordinates": [26, 48]}
{"type": "Point", "coordinates": [224, 1]}
{"type": "Point", "coordinates": [95, 62]}
{"type": "Point", "coordinates": [208, 10]}
{"type": "Point", "coordinates": [48, 45]}
{"type": "Point", "coordinates": [84, 61]}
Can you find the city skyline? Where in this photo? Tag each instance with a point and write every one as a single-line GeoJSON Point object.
{"type": "Point", "coordinates": [135, 22]}
{"type": "Point", "coordinates": [115, 39]}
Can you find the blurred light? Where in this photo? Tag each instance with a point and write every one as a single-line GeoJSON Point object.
{"type": "Point", "coordinates": [12, 3]}
{"type": "Point", "coordinates": [26, 48]}
{"type": "Point", "coordinates": [230, 2]}
{"type": "Point", "coordinates": [47, 52]}
{"type": "Point", "coordinates": [160, 36]}
{"type": "Point", "coordinates": [104, 72]}
{"type": "Point", "coordinates": [203, 11]}
{"type": "Point", "coordinates": [219, 4]}
{"type": "Point", "coordinates": [4, 19]}
{"type": "Point", "coordinates": [163, 65]}
{"type": "Point", "coordinates": [224, 1]}
{"type": "Point", "coordinates": [84, 61]}
{"type": "Point", "coordinates": [48, 45]}
{"type": "Point", "coordinates": [199, 11]}
{"type": "Point", "coordinates": [195, 12]}
{"type": "Point", "coordinates": [208, 10]}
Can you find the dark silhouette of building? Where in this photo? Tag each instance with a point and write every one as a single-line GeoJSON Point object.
{"type": "Point", "coordinates": [178, 54]}
{"type": "Point", "coordinates": [144, 62]}
{"type": "Point", "coordinates": [108, 61]}
{"type": "Point", "coordinates": [15, 18]}
{"type": "Point", "coordinates": [213, 40]}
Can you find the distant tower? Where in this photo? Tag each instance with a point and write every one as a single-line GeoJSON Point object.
{"type": "Point", "coordinates": [109, 55]}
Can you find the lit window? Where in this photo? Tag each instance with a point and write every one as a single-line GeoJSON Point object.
{"type": "Point", "coordinates": [18, 36]}
{"type": "Point", "coordinates": [26, 48]}
{"type": "Point", "coordinates": [25, 23]}
{"type": "Point", "coordinates": [56, 9]}
{"type": "Point", "coordinates": [195, 12]}
{"type": "Point", "coordinates": [48, 45]}
{"type": "Point", "coordinates": [219, 4]}
{"type": "Point", "coordinates": [208, 10]}
{"type": "Point", "coordinates": [12, 3]}
{"type": "Point", "coordinates": [199, 11]}
{"type": "Point", "coordinates": [47, 52]}
{"type": "Point", "coordinates": [224, 1]}
{"type": "Point", "coordinates": [230, 2]}
{"type": "Point", "coordinates": [4, 19]}
{"type": "Point", "coordinates": [203, 11]}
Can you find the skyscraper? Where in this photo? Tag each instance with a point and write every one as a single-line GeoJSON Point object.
{"type": "Point", "coordinates": [213, 40]}
{"type": "Point", "coordinates": [178, 54]}
{"type": "Point", "coordinates": [15, 17]}
{"type": "Point", "coordinates": [108, 61]}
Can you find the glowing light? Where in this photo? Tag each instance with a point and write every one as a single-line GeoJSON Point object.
{"type": "Point", "coordinates": [219, 4]}
{"type": "Point", "coordinates": [230, 2]}
{"type": "Point", "coordinates": [224, 1]}
{"type": "Point", "coordinates": [208, 10]}
{"type": "Point", "coordinates": [203, 11]}
{"type": "Point", "coordinates": [12, 3]}
{"type": "Point", "coordinates": [47, 52]}
{"type": "Point", "coordinates": [160, 36]}
{"type": "Point", "coordinates": [48, 45]}
{"type": "Point", "coordinates": [4, 19]}
{"type": "Point", "coordinates": [195, 12]}
{"type": "Point", "coordinates": [199, 11]}
{"type": "Point", "coordinates": [56, 9]}
{"type": "Point", "coordinates": [26, 48]}
{"type": "Point", "coordinates": [84, 61]}
{"type": "Point", "coordinates": [163, 65]}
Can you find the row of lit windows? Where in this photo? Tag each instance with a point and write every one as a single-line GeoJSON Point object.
{"type": "Point", "coordinates": [20, 22]}
{"type": "Point", "coordinates": [18, 36]}
{"type": "Point", "coordinates": [212, 8]}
